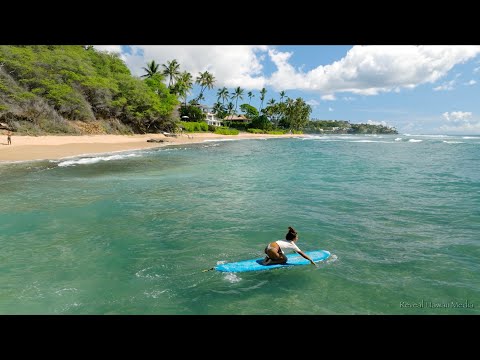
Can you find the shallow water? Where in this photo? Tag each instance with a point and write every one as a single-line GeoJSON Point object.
{"type": "Point", "coordinates": [131, 233]}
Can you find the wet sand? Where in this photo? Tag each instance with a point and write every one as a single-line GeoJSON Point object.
{"type": "Point", "coordinates": [50, 147]}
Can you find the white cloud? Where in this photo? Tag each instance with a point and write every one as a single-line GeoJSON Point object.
{"type": "Point", "coordinates": [109, 48]}
{"type": "Point", "coordinates": [466, 128]}
{"type": "Point", "coordinates": [449, 85]}
{"type": "Point", "coordinates": [348, 98]}
{"type": "Point", "coordinates": [231, 65]}
{"type": "Point", "coordinates": [366, 70]}
{"type": "Point", "coordinates": [112, 49]}
{"type": "Point", "coordinates": [329, 97]}
{"type": "Point", "coordinates": [369, 70]}
{"type": "Point", "coordinates": [313, 102]}
{"type": "Point", "coordinates": [330, 109]}
{"type": "Point", "coordinates": [457, 116]}
{"type": "Point", "coordinates": [373, 122]}
{"type": "Point", "coordinates": [476, 70]}
{"type": "Point", "coordinates": [471, 82]}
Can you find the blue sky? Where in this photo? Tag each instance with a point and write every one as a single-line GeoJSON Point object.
{"type": "Point", "coordinates": [416, 89]}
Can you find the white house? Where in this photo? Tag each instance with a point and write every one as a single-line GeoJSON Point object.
{"type": "Point", "coordinates": [211, 117]}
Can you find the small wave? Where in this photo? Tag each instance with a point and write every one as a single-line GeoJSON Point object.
{"type": "Point", "coordinates": [452, 142]}
{"type": "Point", "coordinates": [415, 140]}
{"type": "Point", "coordinates": [65, 290]}
{"type": "Point", "coordinates": [371, 141]}
{"type": "Point", "coordinates": [212, 140]}
{"type": "Point", "coordinates": [93, 160]}
{"type": "Point", "coordinates": [142, 274]}
{"type": "Point", "coordinates": [426, 135]}
{"type": "Point", "coordinates": [332, 258]}
{"type": "Point", "coordinates": [470, 137]}
{"type": "Point", "coordinates": [155, 293]}
{"type": "Point", "coordinates": [311, 137]}
{"type": "Point", "coordinates": [398, 139]}
{"type": "Point", "coordinates": [232, 278]}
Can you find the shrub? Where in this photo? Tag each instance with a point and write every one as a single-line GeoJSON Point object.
{"type": "Point", "coordinates": [226, 131]}
{"type": "Point", "coordinates": [194, 126]}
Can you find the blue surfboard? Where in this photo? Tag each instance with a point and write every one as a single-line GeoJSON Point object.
{"type": "Point", "coordinates": [257, 264]}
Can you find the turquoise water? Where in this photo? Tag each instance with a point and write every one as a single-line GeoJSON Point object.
{"type": "Point", "coordinates": [130, 233]}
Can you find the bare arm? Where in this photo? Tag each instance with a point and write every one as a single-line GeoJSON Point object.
{"type": "Point", "coordinates": [302, 254]}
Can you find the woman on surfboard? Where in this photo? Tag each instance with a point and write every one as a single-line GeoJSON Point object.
{"type": "Point", "coordinates": [275, 250]}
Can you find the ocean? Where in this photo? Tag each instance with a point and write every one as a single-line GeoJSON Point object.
{"type": "Point", "coordinates": [132, 232]}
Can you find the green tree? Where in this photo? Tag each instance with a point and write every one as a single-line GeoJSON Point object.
{"type": "Point", "coordinates": [183, 86]}
{"type": "Point", "coordinates": [249, 111]}
{"type": "Point", "coordinates": [297, 114]}
{"type": "Point", "coordinates": [223, 94]}
{"type": "Point", "coordinates": [263, 92]}
{"type": "Point", "coordinates": [220, 110]}
{"type": "Point", "coordinates": [151, 69]}
{"type": "Point", "coordinates": [237, 94]}
{"type": "Point", "coordinates": [171, 70]}
{"type": "Point", "coordinates": [230, 108]}
{"type": "Point", "coordinates": [48, 85]}
{"type": "Point", "coordinates": [206, 81]}
{"type": "Point", "coordinates": [193, 112]}
{"type": "Point", "coordinates": [261, 122]}
{"type": "Point", "coordinates": [250, 96]}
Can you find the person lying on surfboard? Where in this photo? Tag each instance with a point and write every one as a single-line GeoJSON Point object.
{"type": "Point", "coordinates": [275, 250]}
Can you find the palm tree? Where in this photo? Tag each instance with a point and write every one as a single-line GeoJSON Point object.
{"type": "Point", "coordinates": [172, 70]}
{"type": "Point", "coordinates": [230, 108]}
{"type": "Point", "coordinates": [151, 69]}
{"type": "Point", "coordinates": [250, 95]}
{"type": "Point", "coordinates": [262, 97]}
{"type": "Point", "coordinates": [184, 85]}
{"type": "Point", "coordinates": [271, 102]}
{"type": "Point", "coordinates": [238, 93]}
{"type": "Point", "coordinates": [282, 95]}
{"type": "Point", "coordinates": [200, 97]}
{"type": "Point", "coordinates": [205, 80]}
{"type": "Point", "coordinates": [223, 94]}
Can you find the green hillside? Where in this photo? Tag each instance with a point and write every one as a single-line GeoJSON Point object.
{"type": "Point", "coordinates": [76, 89]}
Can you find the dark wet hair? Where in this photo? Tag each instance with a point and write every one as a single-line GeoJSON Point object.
{"type": "Point", "coordinates": [292, 234]}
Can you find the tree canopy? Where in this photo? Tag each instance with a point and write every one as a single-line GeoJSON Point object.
{"type": "Point", "coordinates": [57, 83]}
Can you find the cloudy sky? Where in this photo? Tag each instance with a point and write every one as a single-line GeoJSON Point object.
{"type": "Point", "coordinates": [416, 89]}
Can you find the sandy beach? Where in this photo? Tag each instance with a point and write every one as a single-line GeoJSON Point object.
{"type": "Point", "coordinates": [26, 148]}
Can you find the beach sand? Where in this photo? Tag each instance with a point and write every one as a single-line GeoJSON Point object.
{"type": "Point", "coordinates": [50, 147]}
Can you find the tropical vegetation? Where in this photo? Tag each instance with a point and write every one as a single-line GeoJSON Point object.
{"type": "Point", "coordinates": [77, 89]}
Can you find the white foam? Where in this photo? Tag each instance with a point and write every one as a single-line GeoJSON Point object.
{"type": "Point", "coordinates": [415, 140]}
{"type": "Point", "coordinates": [231, 277]}
{"type": "Point", "coordinates": [332, 258]}
{"type": "Point", "coordinates": [155, 293]}
{"type": "Point", "coordinates": [398, 139]}
{"type": "Point", "coordinates": [212, 140]}
{"type": "Point", "coordinates": [62, 291]}
{"type": "Point", "coordinates": [470, 137]}
{"type": "Point", "coordinates": [452, 142]}
{"type": "Point", "coordinates": [96, 159]}
{"type": "Point", "coordinates": [427, 135]}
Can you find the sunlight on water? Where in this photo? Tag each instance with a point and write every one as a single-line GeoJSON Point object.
{"type": "Point", "coordinates": [133, 232]}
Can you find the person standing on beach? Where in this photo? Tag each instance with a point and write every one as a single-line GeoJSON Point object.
{"type": "Point", "coordinates": [275, 250]}
{"type": "Point", "coordinates": [9, 138]}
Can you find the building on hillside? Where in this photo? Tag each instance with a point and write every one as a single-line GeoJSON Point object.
{"type": "Point", "coordinates": [237, 119]}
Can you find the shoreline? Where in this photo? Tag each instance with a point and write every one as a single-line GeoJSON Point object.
{"type": "Point", "coordinates": [55, 147]}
